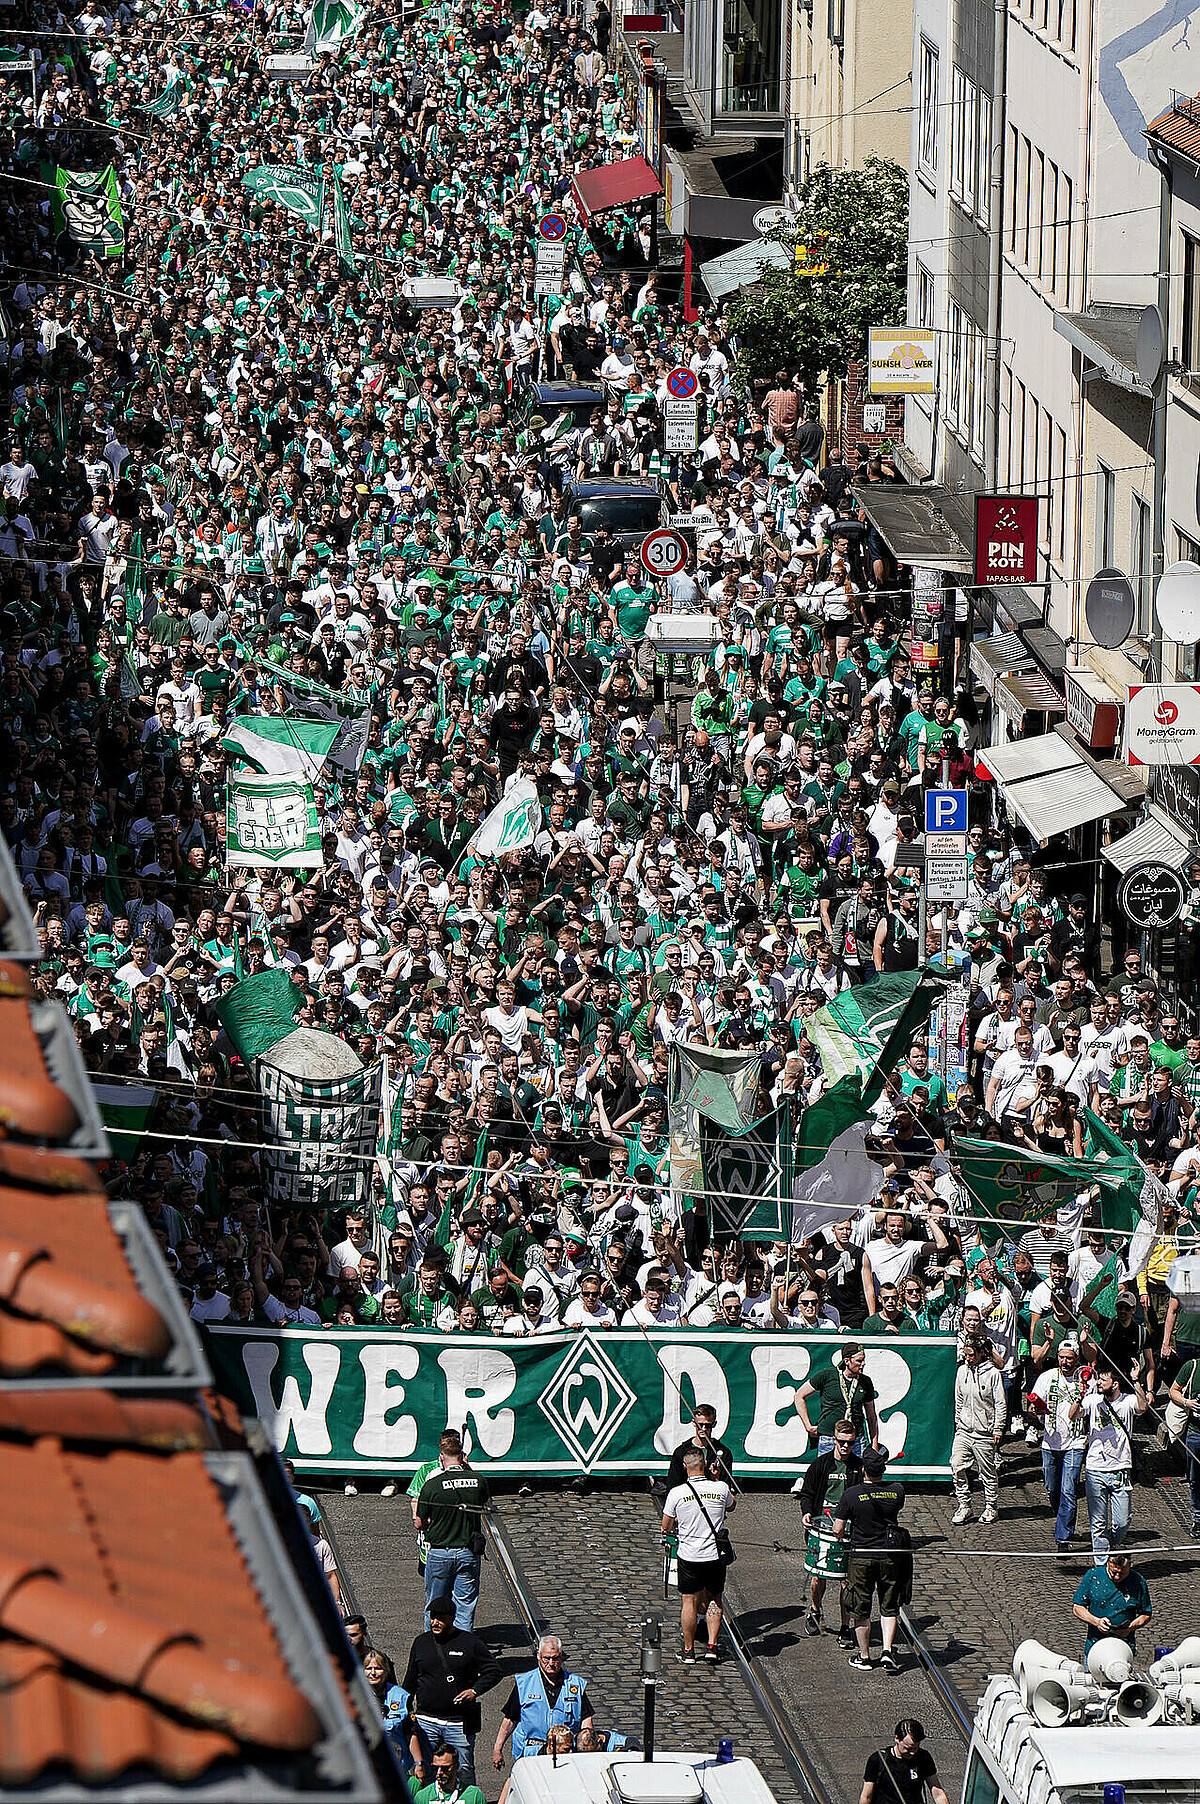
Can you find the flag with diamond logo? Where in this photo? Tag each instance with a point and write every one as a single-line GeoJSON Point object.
{"type": "Point", "coordinates": [301, 191]}
{"type": "Point", "coordinates": [271, 824]}
{"type": "Point", "coordinates": [747, 1177]}
{"type": "Point", "coordinates": [586, 1400]}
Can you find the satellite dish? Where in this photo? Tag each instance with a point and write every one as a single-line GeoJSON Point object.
{"type": "Point", "coordinates": [1109, 608]}
{"type": "Point", "coordinates": [1151, 345]}
{"type": "Point", "coordinates": [1177, 602]}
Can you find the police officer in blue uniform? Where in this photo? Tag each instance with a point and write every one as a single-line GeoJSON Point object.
{"type": "Point", "coordinates": [545, 1698]}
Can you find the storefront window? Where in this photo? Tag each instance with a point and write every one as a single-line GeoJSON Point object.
{"type": "Point", "coordinates": [751, 46]}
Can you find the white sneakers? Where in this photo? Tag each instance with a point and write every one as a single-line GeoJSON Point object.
{"type": "Point", "coordinates": [989, 1515]}
{"type": "Point", "coordinates": [962, 1514]}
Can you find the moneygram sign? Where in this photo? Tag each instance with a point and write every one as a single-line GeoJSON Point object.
{"type": "Point", "coordinates": [1162, 724]}
{"type": "Point", "coordinates": [363, 1400]}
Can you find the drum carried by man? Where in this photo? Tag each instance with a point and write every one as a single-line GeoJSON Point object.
{"type": "Point", "coordinates": [827, 1554]}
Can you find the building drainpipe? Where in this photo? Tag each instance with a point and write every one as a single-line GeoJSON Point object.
{"type": "Point", "coordinates": [1159, 403]}
{"type": "Point", "coordinates": [1085, 133]}
{"type": "Point", "coordinates": [991, 437]}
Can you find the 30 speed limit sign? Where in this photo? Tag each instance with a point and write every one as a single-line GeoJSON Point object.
{"type": "Point", "coordinates": [663, 552]}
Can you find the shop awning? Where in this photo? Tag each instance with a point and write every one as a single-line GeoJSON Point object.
{"type": "Point", "coordinates": [1156, 841]}
{"type": "Point", "coordinates": [926, 525]}
{"type": "Point", "coordinates": [742, 267]}
{"type": "Point", "coordinates": [1027, 691]}
{"type": "Point", "coordinates": [993, 658]}
{"type": "Point", "coordinates": [1050, 786]}
{"type": "Point", "coordinates": [616, 185]}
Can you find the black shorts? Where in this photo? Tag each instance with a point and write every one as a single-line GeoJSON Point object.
{"type": "Point", "coordinates": [701, 1575]}
{"type": "Point", "coordinates": [871, 1573]}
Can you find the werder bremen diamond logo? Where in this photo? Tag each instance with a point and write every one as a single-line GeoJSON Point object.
{"type": "Point", "coordinates": [586, 1400]}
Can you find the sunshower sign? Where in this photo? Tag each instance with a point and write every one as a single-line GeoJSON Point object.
{"type": "Point", "coordinates": [362, 1400]}
{"type": "Point", "coordinates": [1162, 724]}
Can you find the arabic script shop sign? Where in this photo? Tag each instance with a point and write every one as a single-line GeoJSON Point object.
{"type": "Point", "coordinates": [360, 1399]}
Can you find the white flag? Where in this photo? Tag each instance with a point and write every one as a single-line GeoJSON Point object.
{"type": "Point", "coordinates": [839, 1186]}
{"type": "Point", "coordinates": [513, 823]}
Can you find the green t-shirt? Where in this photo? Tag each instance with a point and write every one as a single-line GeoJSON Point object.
{"type": "Point", "coordinates": [840, 1399]}
{"type": "Point", "coordinates": [880, 1324]}
{"type": "Point", "coordinates": [466, 1794]}
{"type": "Point", "coordinates": [450, 1506]}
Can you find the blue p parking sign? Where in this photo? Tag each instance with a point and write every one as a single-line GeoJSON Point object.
{"type": "Point", "coordinates": [945, 811]}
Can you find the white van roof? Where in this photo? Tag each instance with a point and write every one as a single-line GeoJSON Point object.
{"type": "Point", "coordinates": [1080, 1757]}
{"type": "Point", "coordinates": [626, 1778]}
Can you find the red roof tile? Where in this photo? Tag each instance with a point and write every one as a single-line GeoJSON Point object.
{"type": "Point", "coordinates": [67, 1295]}
{"type": "Point", "coordinates": [31, 1104]}
{"type": "Point", "coordinates": [39, 1169]}
{"type": "Point", "coordinates": [1178, 127]}
{"type": "Point", "coordinates": [110, 1659]}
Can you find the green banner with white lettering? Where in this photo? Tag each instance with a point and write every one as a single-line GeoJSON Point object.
{"type": "Point", "coordinates": [361, 1399]}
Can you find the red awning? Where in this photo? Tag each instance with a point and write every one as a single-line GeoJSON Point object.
{"type": "Point", "coordinates": [616, 185]}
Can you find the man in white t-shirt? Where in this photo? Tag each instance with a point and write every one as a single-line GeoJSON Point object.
{"type": "Point", "coordinates": [588, 1309]}
{"type": "Point", "coordinates": [1063, 1441]}
{"type": "Point", "coordinates": [657, 1309]}
{"type": "Point", "coordinates": [1107, 1413]}
{"type": "Point", "coordinates": [349, 1251]}
{"type": "Point", "coordinates": [889, 1258]}
{"type": "Point", "coordinates": [696, 1511]}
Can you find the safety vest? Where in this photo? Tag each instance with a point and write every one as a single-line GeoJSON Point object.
{"type": "Point", "coordinates": [537, 1718]}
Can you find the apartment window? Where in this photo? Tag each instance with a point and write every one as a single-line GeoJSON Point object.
{"type": "Point", "coordinates": [837, 22]}
{"type": "Point", "coordinates": [979, 380]}
{"type": "Point", "coordinates": [1141, 555]}
{"type": "Point", "coordinates": [1037, 219]}
{"type": "Point", "coordinates": [954, 364]}
{"type": "Point", "coordinates": [925, 293]}
{"type": "Point", "coordinates": [1010, 193]}
{"type": "Point", "coordinates": [963, 150]}
{"type": "Point", "coordinates": [1106, 522]}
{"type": "Point", "coordinates": [1190, 348]}
{"type": "Point", "coordinates": [1064, 233]}
{"type": "Point", "coordinates": [927, 108]}
{"type": "Point", "coordinates": [1058, 494]}
{"type": "Point", "coordinates": [983, 160]}
{"type": "Point", "coordinates": [1024, 153]}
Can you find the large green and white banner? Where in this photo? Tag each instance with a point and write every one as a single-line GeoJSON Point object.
{"type": "Point", "coordinates": [360, 1399]}
{"type": "Point", "coordinates": [271, 824]}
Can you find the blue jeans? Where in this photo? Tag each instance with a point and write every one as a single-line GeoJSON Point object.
{"type": "Point", "coordinates": [1060, 1474]}
{"type": "Point", "coordinates": [1192, 1447]}
{"type": "Point", "coordinates": [452, 1571]}
{"type": "Point", "coordinates": [1109, 1501]}
{"type": "Point", "coordinates": [431, 1730]}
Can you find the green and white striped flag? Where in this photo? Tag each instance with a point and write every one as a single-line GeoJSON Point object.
{"type": "Point", "coordinates": [271, 824]}
{"type": "Point", "coordinates": [866, 1029]}
{"type": "Point", "coordinates": [301, 191]}
{"type": "Point", "coordinates": [302, 696]}
{"type": "Point", "coordinates": [278, 746]}
{"type": "Point", "coordinates": [390, 1126]}
{"type": "Point", "coordinates": [331, 23]}
{"type": "Point", "coordinates": [511, 825]}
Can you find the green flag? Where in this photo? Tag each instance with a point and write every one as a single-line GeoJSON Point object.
{"type": "Point", "coordinates": [88, 209]}
{"type": "Point", "coordinates": [1101, 1293]}
{"type": "Point", "coordinates": [1119, 1172]}
{"type": "Point", "coordinates": [167, 104]}
{"type": "Point", "coordinates": [342, 236]}
{"type": "Point", "coordinates": [135, 579]}
{"type": "Point", "coordinates": [271, 823]}
{"type": "Point", "coordinates": [301, 191]}
{"type": "Point", "coordinates": [746, 1177]}
{"type": "Point", "coordinates": [125, 1110]}
{"type": "Point", "coordinates": [260, 1011]}
{"type": "Point", "coordinates": [512, 824]}
{"type": "Point", "coordinates": [1013, 1185]}
{"type": "Point", "coordinates": [839, 1108]}
{"type": "Point", "coordinates": [330, 24]}
{"type": "Point", "coordinates": [316, 701]}
{"type": "Point", "coordinates": [278, 746]}
{"type": "Point", "coordinates": [867, 1028]}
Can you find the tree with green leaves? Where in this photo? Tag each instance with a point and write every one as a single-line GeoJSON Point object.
{"type": "Point", "coordinates": [849, 271]}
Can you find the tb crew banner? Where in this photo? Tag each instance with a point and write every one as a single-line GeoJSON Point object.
{"type": "Point", "coordinates": [361, 1399]}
